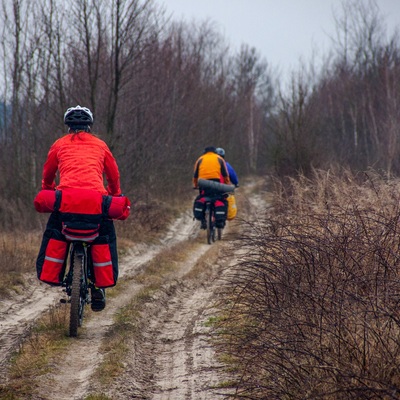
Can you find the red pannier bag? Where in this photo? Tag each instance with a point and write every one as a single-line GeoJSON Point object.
{"type": "Point", "coordinates": [53, 266]}
{"type": "Point", "coordinates": [50, 263]}
{"type": "Point", "coordinates": [102, 265]}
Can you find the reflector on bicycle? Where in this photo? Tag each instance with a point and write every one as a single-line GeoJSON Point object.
{"type": "Point", "coordinates": [87, 234]}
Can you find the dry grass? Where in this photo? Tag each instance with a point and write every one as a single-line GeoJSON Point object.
{"type": "Point", "coordinates": [314, 310]}
{"type": "Point", "coordinates": [36, 354]}
{"type": "Point", "coordinates": [18, 252]}
{"type": "Point", "coordinates": [147, 222]}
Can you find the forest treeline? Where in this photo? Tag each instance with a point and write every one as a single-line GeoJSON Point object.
{"type": "Point", "coordinates": [161, 90]}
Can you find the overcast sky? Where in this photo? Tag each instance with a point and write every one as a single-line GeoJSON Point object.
{"type": "Point", "coordinates": [283, 31]}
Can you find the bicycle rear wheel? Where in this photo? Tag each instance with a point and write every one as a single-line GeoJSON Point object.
{"type": "Point", "coordinates": [219, 233]}
{"type": "Point", "coordinates": [210, 226]}
{"type": "Point", "coordinates": [76, 311]}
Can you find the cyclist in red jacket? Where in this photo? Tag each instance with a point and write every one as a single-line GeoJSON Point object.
{"type": "Point", "coordinates": [81, 159]}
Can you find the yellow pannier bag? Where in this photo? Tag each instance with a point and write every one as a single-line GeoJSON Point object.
{"type": "Point", "coordinates": [232, 209]}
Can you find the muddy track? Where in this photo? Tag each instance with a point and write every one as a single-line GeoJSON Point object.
{"type": "Point", "coordinates": [184, 360]}
{"type": "Point", "coordinates": [173, 357]}
{"type": "Point", "coordinates": [19, 313]}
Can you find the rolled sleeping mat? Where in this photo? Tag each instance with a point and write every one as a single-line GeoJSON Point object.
{"type": "Point", "coordinates": [217, 186]}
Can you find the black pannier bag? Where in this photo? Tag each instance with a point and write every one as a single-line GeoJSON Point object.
{"type": "Point", "coordinates": [199, 207]}
{"type": "Point", "coordinates": [221, 208]}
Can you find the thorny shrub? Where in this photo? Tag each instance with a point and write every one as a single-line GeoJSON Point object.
{"type": "Point", "coordinates": [314, 310]}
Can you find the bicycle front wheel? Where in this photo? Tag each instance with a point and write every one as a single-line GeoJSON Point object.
{"type": "Point", "coordinates": [76, 312]}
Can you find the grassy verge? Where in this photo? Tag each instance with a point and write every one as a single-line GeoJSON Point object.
{"type": "Point", "coordinates": [45, 342]}
{"type": "Point", "coordinates": [313, 301]}
{"type": "Point", "coordinates": [17, 252]}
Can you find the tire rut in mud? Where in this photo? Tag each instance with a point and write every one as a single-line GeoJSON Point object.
{"type": "Point", "coordinates": [184, 359]}
{"type": "Point", "coordinates": [174, 357]}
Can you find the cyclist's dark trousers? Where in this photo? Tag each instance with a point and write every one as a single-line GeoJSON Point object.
{"type": "Point", "coordinates": [53, 231]}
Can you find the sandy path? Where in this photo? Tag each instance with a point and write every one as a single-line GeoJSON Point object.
{"type": "Point", "coordinates": [184, 359]}
{"type": "Point", "coordinates": [18, 314]}
{"type": "Point", "coordinates": [174, 358]}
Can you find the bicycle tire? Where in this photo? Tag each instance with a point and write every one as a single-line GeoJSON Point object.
{"type": "Point", "coordinates": [77, 277]}
{"type": "Point", "coordinates": [213, 232]}
{"type": "Point", "coordinates": [209, 224]}
{"type": "Point", "coordinates": [219, 230]}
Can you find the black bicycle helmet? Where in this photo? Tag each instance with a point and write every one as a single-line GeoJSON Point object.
{"type": "Point", "coordinates": [209, 149]}
{"type": "Point", "coordinates": [78, 115]}
{"type": "Point", "coordinates": [220, 151]}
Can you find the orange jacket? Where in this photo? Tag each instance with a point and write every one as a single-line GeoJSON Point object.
{"type": "Point", "coordinates": [210, 166]}
{"type": "Point", "coordinates": [81, 159]}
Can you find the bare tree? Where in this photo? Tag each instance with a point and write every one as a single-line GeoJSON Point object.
{"type": "Point", "coordinates": [253, 87]}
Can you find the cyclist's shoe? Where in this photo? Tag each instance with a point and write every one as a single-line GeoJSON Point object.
{"type": "Point", "coordinates": [203, 224]}
{"type": "Point", "coordinates": [98, 296]}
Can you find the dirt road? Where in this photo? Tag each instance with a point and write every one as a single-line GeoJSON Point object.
{"type": "Point", "coordinates": [176, 358]}
{"type": "Point", "coordinates": [172, 359]}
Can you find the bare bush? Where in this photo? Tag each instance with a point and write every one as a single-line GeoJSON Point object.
{"type": "Point", "coordinates": [315, 299]}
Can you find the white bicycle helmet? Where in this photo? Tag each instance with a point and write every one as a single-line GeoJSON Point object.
{"type": "Point", "coordinates": [220, 151]}
{"type": "Point", "coordinates": [78, 116]}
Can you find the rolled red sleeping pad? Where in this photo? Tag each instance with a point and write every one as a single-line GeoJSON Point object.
{"type": "Point", "coordinates": [120, 208]}
{"type": "Point", "coordinates": [44, 201]}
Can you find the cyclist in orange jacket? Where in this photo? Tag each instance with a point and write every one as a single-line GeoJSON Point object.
{"type": "Point", "coordinates": [212, 167]}
{"type": "Point", "coordinates": [81, 159]}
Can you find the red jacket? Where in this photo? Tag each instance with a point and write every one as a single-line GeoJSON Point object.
{"type": "Point", "coordinates": [81, 159]}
